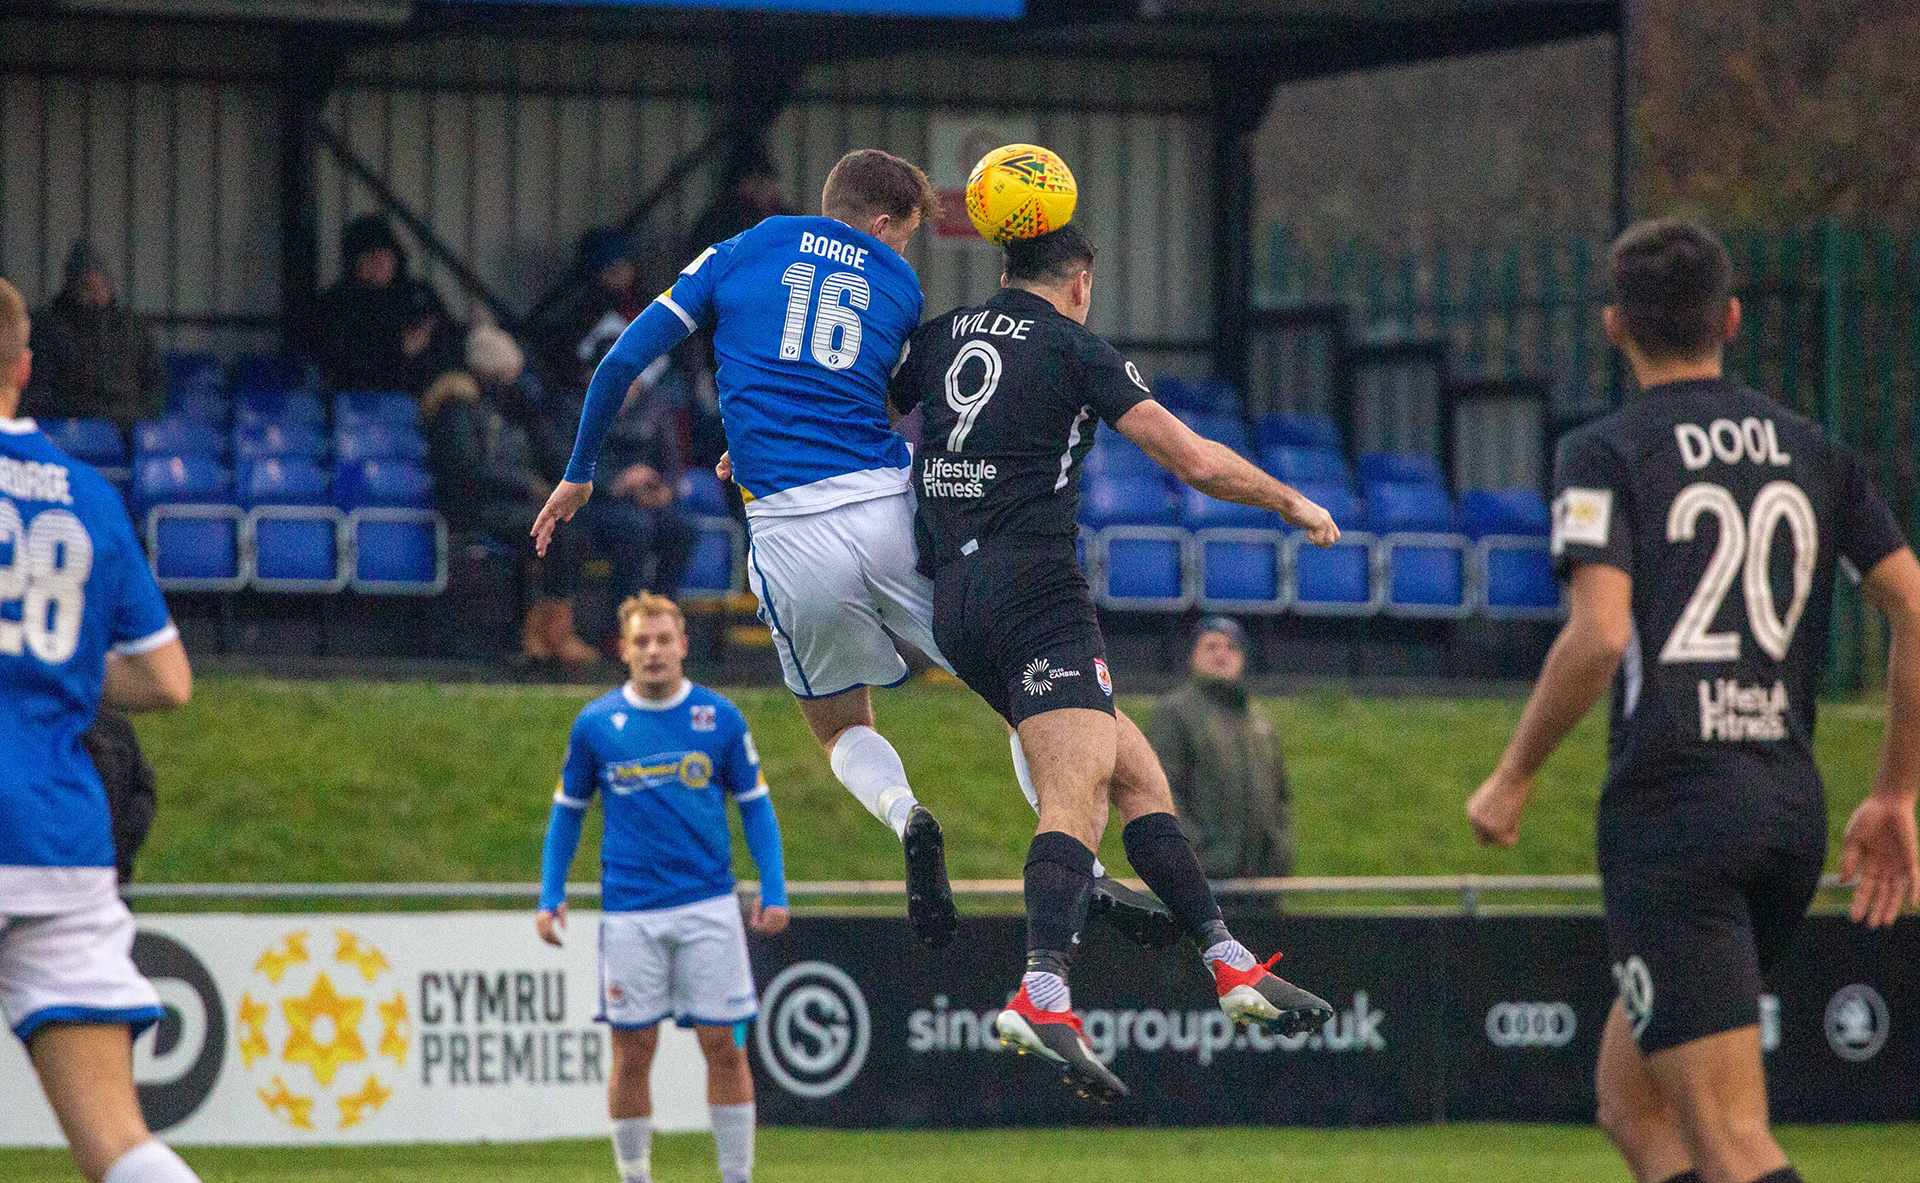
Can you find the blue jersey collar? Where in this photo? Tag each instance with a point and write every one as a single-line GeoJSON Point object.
{"type": "Point", "coordinates": [665, 704]}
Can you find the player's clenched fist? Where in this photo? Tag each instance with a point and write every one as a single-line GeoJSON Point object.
{"type": "Point", "coordinates": [1494, 811]}
{"type": "Point", "coordinates": [767, 920]}
{"type": "Point", "coordinates": [1305, 514]}
{"type": "Point", "coordinates": [567, 498]}
{"type": "Point", "coordinates": [549, 924]}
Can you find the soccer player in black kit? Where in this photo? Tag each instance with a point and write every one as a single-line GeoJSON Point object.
{"type": "Point", "coordinates": [1699, 529]}
{"type": "Point", "coordinates": [1013, 391]}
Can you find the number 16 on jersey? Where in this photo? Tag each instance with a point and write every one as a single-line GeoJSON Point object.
{"type": "Point", "coordinates": [836, 324]}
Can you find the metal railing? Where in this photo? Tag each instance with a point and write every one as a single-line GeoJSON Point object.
{"type": "Point", "coordinates": [1468, 890]}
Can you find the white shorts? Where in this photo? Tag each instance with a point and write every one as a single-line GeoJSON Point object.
{"type": "Point", "coordinates": [832, 583]}
{"type": "Point", "coordinates": [74, 967]}
{"type": "Point", "coordinates": [688, 964]}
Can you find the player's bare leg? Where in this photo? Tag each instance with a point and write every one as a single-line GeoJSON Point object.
{"type": "Point", "coordinates": [1633, 1113]}
{"type": "Point", "coordinates": [86, 1070]}
{"type": "Point", "coordinates": [630, 1102]}
{"type": "Point", "coordinates": [863, 761]}
{"type": "Point", "coordinates": [1161, 854]}
{"type": "Point", "coordinates": [1070, 752]}
{"type": "Point", "coordinates": [1717, 1087]}
{"type": "Point", "coordinates": [729, 1101]}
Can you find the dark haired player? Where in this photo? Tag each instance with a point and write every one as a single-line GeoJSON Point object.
{"type": "Point", "coordinates": [1699, 530]}
{"type": "Point", "coordinates": [1012, 392]}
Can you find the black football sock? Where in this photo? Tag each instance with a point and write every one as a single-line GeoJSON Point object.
{"type": "Point", "coordinates": [1059, 890]}
{"type": "Point", "coordinates": [1687, 1176]}
{"type": "Point", "coordinates": [1783, 1175]}
{"type": "Point", "coordinates": [1163, 857]}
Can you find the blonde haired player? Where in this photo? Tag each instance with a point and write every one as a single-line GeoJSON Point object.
{"type": "Point", "coordinates": [81, 620]}
{"type": "Point", "coordinates": [666, 755]}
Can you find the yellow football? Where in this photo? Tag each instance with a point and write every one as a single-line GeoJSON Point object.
{"type": "Point", "coordinates": [1020, 191]}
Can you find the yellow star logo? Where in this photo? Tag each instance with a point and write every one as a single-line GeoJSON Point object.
{"type": "Point", "coordinates": [354, 1106]}
{"type": "Point", "coordinates": [367, 959]}
{"type": "Point", "coordinates": [253, 1029]}
{"type": "Point", "coordinates": [342, 1045]}
{"type": "Point", "coordinates": [394, 1028]}
{"type": "Point", "coordinates": [275, 964]}
{"type": "Point", "coordinates": [297, 1110]}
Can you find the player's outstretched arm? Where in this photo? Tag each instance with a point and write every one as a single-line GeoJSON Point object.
{"type": "Point", "coordinates": [1219, 471]}
{"type": "Point", "coordinates": [761, 827]}
{"type": "Point", "coordinates": [157, 680]}
{"type": "Point", "coordinates": [1577, 671]}
{"type": "Point", "coordinates": [1880, 852]}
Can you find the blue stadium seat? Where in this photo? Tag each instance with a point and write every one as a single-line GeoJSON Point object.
{"type": "Point", "coordinates": [391, 484]}
{"type": "Point", "coordinates": [297, 548]}
{"type": "Point", "coordinates": [260, 440]}
{"type": "Point", "coordinates": [1201, 512]}
{"type": "Point", "coordinates": [90, 441]}
{"type": "Point", "coordinates": [1114, 455]}
{"type": "Point", "coordinates": [1142, 568]}
{"type": "Point", "coordinates": [1179, 393]}
{"type": "Point", "coordinates": [1335, 581]}
{"type": "Point", "coordinates": [195, 372]}
{"type": "Point", "coordinates": [1504, 511]}
{"type": "Point", "coordinates": [379, 441]}
{"type": "Point", "coordinates": [1241, 570]}
{"type": "Point", "coordinates": [196, 547]}
{"type": "Point", "coordinates": [1218, 426]}
{"type": "Point", "coordinates": [357, 408]}
{"type": "Point", "coordinates": [398, 551]}
{"type": "Point", "coordinates": [283, 480]}
{"type": "Point", "coordinates": [1405, 468]}
{"type": "Point", "coordinates": [717, 567]}
{"type": "Point", "coordinates": [1393, 507]}
{"type": "Point", "coordinates": [260, 371]}
{"type": "Point", "coordinates": [1296, 429]}
{"type": "Point", "coordinates": [1517, 578]}
{"type": "Point", "coordinates": [1114, 501]}
{"type": "Point", "coordinates": [178, 435]}
{"type": "Point", "coordinates": [701, 493]}
{"type": "Point", "coordinates": [254, 407]}
{"type": "Point", "coordinates": [1303, 466]}
{"type": "Point", "coordinates": [178, 480]}
{"type": "Point", "coordinates": [1426, 575]}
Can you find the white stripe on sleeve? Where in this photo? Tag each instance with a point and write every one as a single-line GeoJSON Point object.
{"type": "Point", "coordinates": [664, 298]}
{"type": "Point", "coordinates": [560, 798]}
{"type": "Point", "coordinates": [753, 794]}
{"type": "Point", "coordinates": [149, 643]}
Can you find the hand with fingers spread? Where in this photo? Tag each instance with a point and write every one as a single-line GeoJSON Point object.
{"type": "Point", "coordinates": [567, 498]}
{"type": "Point", "coordinates": [1880, 856]}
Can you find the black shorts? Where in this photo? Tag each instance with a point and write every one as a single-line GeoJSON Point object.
{"type": "Point", "coordinates": [1694, 936]}
{"type": "Point", "coordinates": [1016, 620]}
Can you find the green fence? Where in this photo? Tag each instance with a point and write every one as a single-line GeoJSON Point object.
{"type": "Point", "coordinates": [1832, 329]}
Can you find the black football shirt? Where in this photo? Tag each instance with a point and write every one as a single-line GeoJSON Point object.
{"type": "Point", "coordinates": [1012, 391]}
{"type": "Point", "coordinates": [1731, 514]}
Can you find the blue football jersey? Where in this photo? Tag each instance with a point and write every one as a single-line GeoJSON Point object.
{"type": "Point", "coordinates": [809, 318]}
{"type": "Point", "coordinates": [74, 585]}
{"type": "Point", "coordinates": [663, 771]}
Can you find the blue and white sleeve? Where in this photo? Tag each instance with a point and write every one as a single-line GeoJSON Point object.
{"type": "Point", "coordinates": [139, 621]}
{"type": "Point", "coordinates": [758, 822]}
{"type": "Point", "coordinates": [674, 313]}
{"type": "Point", "coordinates": [567, 818]}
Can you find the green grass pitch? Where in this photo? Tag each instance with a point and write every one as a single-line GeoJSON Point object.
{"type": "Point", "coordinates": [1426, 1154]}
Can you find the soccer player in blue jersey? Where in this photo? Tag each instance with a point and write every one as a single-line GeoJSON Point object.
{"type": "Point", "coordinates": [80, 620]}
{"type": "Point", "coordinates": [810, 316]}
{"type": "Point", "coordinates": [665, 755]}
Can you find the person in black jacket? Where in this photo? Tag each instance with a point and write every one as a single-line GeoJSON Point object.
{"type": "Point", "coordinates": [128, 779]}
{"type": "Point", "coordinates": [378, 328]}
{"type": "Point", "coordinates": [488, 482]}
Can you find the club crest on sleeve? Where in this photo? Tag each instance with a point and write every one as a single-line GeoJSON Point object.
{"type": "Point", "coordinates": [1106, 679]}
{"type": "Point", "coordinates": [703, 717]}
{"type": "Point", "coordinates": [1582, 517]}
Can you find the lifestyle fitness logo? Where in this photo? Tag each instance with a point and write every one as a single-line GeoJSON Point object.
{"type": "Point", "coordinates": [316, 1029]}
{"type": "Point", "coordinates": [814, 1029]}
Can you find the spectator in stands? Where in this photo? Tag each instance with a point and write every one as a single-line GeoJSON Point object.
{"type": "Point", "coordinates": [93, 358]}
{"type": "Point", "coordinates": [379, 328]}
{"type": "Point", "coordinates": [636, 519]}
{"type": "Point", "coordinates": [1223, 761]}
{"type": "Point", "coordinates": [750, 200]}
{"type": "Point", "coordinates": [582, 327]}
{"type": "Point", "coordinates": [487, 482]}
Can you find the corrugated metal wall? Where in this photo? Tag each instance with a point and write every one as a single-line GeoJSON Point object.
{"type": "Point", "coordinates": [160, 150]}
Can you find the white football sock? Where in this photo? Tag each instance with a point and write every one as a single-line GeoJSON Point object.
{"type": "Point", "coordinates": [733, 1141]}
{"type": "Point", "coordinates": [866, 763]}
{"type": "Point", "coordinates": [1235, 954]}
{"type": "Point", "coordinates": [1048, 991]}
{"type": "Point", "coordinates": [633, 1148]}
{"type": "Point", "coordinates": [150, 1162]}
{"type": "Point", "coordinates": [1024, 775]}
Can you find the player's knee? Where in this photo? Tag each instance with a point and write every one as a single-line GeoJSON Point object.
{"type": "Point", "coordinates": [721, 1051]}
